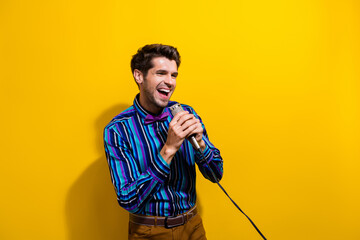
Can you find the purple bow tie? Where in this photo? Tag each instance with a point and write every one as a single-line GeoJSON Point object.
{"type": "Point", "coordinates": [150, 118]}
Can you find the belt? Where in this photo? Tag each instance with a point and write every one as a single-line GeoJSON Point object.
{"type": "Point", "coordinates": [167, 222]}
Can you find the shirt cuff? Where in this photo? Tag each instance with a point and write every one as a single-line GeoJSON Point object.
{"type": "Point", "coordinates": [160, 169]}
{"type": "Point", "coordinates": [207, 154]}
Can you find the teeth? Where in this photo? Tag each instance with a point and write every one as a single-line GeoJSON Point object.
{"type": "Point", "coordinates": [164, 90]}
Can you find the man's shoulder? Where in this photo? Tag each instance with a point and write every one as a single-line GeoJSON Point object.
{"type": "Point", "coordinates": [124, 116]}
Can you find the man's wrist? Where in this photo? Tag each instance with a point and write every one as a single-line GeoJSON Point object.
{"type": "Point", "coordinates": [167, 153]}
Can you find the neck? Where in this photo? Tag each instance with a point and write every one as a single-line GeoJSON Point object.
{"type": "Point", "coordinates": [154, 110]}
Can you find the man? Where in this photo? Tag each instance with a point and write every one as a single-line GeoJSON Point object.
{"type": "Point", "coordinates": [152, 165]}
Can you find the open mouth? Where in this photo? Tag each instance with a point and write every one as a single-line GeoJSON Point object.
{"type": "Point", "coordinates": [164, 92]}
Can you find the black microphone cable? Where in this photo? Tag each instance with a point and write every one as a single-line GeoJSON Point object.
{"type": "Point", "coordinates": [178, 108]}
{"type": "Point", "coordinates": [217, 181]}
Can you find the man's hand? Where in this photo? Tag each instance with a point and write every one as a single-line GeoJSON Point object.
{"type": "Point", "coordinates": [181, 126]}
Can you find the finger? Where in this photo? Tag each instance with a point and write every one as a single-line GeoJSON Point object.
{"type": "Point", "coordinates": [183, 118]}
{"type": "Point", "coordinates": [179, 115]}
{"type": "Point", "coordinates": [189, 131]}
{"type": "Point", "coordinates": [197, 130]}
{"type": "Point", "coordinates": [187, 121]}
{"type": "Point", "coordinates": [183, 130]}
{"type": "Point", "coordinates": [191, 121]}
{"type": "Point", "coordinates": [186, 117]}
{"type": "Point", "coordinates": [176, 118]}
{"type": "Point", "coordinates": [198, 137]}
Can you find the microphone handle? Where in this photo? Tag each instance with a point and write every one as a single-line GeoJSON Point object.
{"type": "Point", "coordinates": [195, 143]}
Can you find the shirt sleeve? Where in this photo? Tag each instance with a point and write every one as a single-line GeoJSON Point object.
{"type": "Point", "coordinates": [210, 160]}
{"type": "Point", "coordinates": [133, 188]}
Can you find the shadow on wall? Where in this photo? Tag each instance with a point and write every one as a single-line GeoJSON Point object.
{"type": "Point", "coordinates": [92, 212]}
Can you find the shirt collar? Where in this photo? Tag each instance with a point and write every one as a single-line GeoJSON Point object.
{"type": "Point", "coordinates": [142, 112]}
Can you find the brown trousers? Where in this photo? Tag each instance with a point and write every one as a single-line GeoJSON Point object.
{"type": "Point", "coordinates": [192, 230]}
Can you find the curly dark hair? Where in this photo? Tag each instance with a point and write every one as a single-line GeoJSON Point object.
{"type": "Point", "coordinates": [142, 59]}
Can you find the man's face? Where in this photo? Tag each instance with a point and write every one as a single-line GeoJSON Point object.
{"type": "Point", "coordinates": [158, 85]}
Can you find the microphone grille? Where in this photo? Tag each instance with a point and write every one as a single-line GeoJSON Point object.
{"type": "Point", "coordinates": [176, 108]}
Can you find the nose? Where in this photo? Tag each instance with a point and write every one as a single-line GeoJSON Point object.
{"type": "Point", "coordinates": [169, 80]}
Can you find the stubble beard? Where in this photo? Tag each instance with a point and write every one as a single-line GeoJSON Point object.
{"type": "Point", "coordinates": [155, 102]}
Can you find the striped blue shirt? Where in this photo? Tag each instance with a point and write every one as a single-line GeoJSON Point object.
{"type": "Point", "coordinates": [144, 182]}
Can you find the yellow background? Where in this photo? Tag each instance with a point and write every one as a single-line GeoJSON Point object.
{"type": "Point", "coordinates": [277, 84]}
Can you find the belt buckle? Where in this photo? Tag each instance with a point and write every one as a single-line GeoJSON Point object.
{"type": "Point", "coordinates": [167, 225]}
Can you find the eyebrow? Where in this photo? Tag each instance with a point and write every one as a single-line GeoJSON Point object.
{"type": "Point", "coordinates": [165, 71]}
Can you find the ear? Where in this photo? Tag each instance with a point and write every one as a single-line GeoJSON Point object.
{"type": "Point", "coordinates": [138, 76]}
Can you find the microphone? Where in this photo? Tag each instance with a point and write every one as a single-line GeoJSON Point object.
{"type": "Point", "coordinates": [176, 108]}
